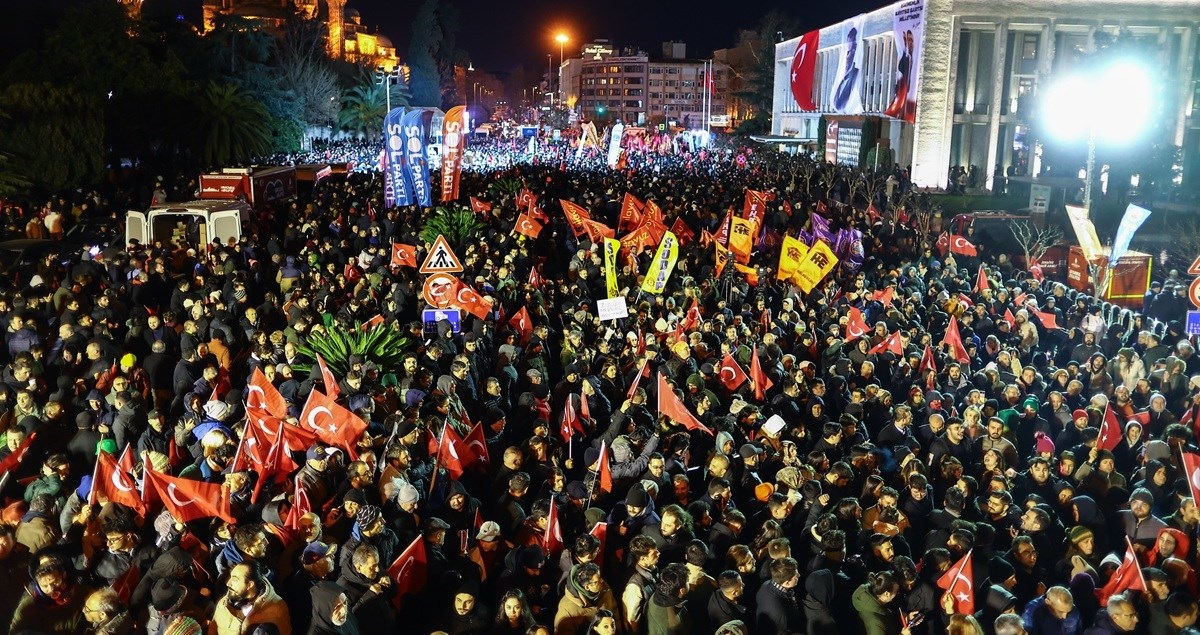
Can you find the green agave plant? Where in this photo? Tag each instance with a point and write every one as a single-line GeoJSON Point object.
{"type": "Point", "coordinates": [459, 226]}
{"type": "Point", "coordinates": [507, 185]}
{"type": "Point", "coordinates": [379, 344]}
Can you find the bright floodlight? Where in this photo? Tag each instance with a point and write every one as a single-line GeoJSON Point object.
{"type": "Point", "coordinates": [1114, 101]}
{"type": "Point", "coordinates": [562, 38]}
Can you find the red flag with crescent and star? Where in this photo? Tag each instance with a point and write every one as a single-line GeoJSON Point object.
{"type": "Point", "coordinates": [331, 423]}
{"type": "Point", "coordinates": [476, 445]}
{"type": "Point", "coordinates": [527, 226]}
{"type": "Point", "coordinates": [261, 393]}
{"type": "Point", "coordinates": [522, 324]}
{"type": "Point", "coordinates": [404, 255]}
{"type": "Point", "coordinates": [1127, 577]}
{"type": "Point", "coordinates": [958, 581]}
{"type": "Point", "coordinates": [570, 421]}
{"type": "Point", "coordinates": [188, 500]}
{"type": "Point", "coordinates": [890, 345]}
{"type": "Point", "coordinates": [328, 378]}
{"type": "Point", "coordinates": [856, 325]}
{"type": "Point", "coordinates": [962, 246]}
{"type": "Point", "coordinates": [410, 570]}
{"type": "Point", "coordinates": [1191, 467]}
{"type": "Point", "coordinates": [953, 341]}
{"type": "Point", "coordinates": [804, 65]}
{"type": "Point", "coordinates": [731, 373]}
{"type": "Point", "coordinates": [1110, 430]}
{"type": "Point", "coordinates": [115, 483]}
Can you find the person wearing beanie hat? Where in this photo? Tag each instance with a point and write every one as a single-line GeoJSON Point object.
{"type": "Point", "coordinates": [1138, 523]}
{"type": "Point", "coordinates": [1043, 445]}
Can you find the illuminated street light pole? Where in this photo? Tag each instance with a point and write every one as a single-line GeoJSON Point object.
{"type": "Point", "coordinates": [385, 78]}
{"type": "Point", "coordinates": [562, 39]}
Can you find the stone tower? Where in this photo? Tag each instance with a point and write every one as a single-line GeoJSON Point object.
{"type": "Point", "coordinates": [134, 7]}
{"type": "Point", "coordinates": [337, 36]}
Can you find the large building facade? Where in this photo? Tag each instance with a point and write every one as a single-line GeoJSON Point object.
{"type": "Point", "coordinates": [981, 64]}
{"type": "Point", "coordinates": [635, 87]}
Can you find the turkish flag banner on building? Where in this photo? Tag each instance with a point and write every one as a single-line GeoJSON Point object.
{"type": "Point", "coordinates": [958, 581]}
{"type": "Point", "coordinates": [188, 500]}
{"type": "Point", "coordinates": [804, 65]}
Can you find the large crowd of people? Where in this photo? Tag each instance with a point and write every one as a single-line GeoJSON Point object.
{"type": "Point", "coordinates": [836, 491]}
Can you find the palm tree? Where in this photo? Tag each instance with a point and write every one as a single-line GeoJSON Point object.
{"type": "Point", "coordinates": [233, 124]}
{"type": "Point", "coordinates": [363, 109]}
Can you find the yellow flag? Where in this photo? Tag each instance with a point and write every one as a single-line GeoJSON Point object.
{"type": "Point", "coordinates": [790, 255]}
{"type": "Point", "coordinates": [612, 247]}
{"type": "Point", "coordinates": [817, 264]}
{"type": "Point", "coordinates": [662, 265]}
{"type": "Point", "coordinates": [720, 258]}
{"type": "Point", "coordinates": [741, 238]}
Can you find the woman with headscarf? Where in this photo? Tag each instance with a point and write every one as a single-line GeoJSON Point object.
{"type": "Point", "coordinates": [331, 614]}
{"type": "Point", "coordinates": [1170, 543]}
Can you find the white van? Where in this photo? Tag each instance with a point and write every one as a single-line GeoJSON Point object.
{"type": "Point", "coordinates": [195, 223]}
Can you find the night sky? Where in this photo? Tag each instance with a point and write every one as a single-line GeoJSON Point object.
{"type": "Point", "coordinates": [502, 35]}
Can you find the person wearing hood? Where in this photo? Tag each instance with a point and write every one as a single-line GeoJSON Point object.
{"type": "Point", "coordinates": [467, 616]}
{"type": "Point", "coordinates": [330, 614]}
{"type": "Point", "coordinates": [819, 612]}
{"type": "Point", "coordinates": [586, 593]}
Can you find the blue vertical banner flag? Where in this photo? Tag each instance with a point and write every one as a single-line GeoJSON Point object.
{"type": "Point", "coordinates": [416, 164]}
{"type": "Point", "coordinates": [395, 186]}
{"type": "Point", "coordinates": [1130, 223]}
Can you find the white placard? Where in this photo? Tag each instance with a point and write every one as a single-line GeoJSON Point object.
{"type": "Point", "coordinates": [612, 309]}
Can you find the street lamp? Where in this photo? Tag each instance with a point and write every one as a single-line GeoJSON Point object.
{"type": "Point", "coordinates": [1110, 103]}
{"type": "Point", "coordinates": [562, 39]}
{"type": "Point", "coordinates": [385, 78]}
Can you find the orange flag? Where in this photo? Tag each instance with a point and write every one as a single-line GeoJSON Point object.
{"type": "Point", "coordinates": [575, 216]}
{"type": "Point", "coordinates": [631, 213]}
{"type": "Point", "coordinates": [672, 408]}
{"type": "Point", "coordinates": [762, 383]}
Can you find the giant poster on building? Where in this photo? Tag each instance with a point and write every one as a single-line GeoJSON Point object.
{"type": "Point", "coordinates": [908, 26]}
{"type": "Point", "coordinates": [846, 96]}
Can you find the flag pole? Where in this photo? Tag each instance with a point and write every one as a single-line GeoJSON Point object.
{"type": "Point", "coordinates": [437, 456]}
{"type": "Point", "coordinates": [1141, 577]}
{"type": "Point", "coordinates": [95, 472]}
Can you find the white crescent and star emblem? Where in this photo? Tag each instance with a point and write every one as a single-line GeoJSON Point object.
{"type": "Point", "coordinates": [171, 495]}
{"type": "Point", "coordinates": [404, 571]}
{"type": "Point", "coordinates": [732, 373]}
{"type": "Point", "coordinates": [313, 415]}
{"type": "Point", "coordinates": [119, 480]}
{"type": "Point", "coordinates": [476, 443]}
{"type": "Point", "coordinates": [252, 389]}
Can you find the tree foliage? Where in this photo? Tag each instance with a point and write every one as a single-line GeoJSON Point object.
{"type": "Point", "coordinates": [233, 124]}
{"type": "Point", "coordinates": [306, 74]}
{"type": "Point", "coordinates": [425, 82]}
{"type": "Point", "coordinates": [757, 78]}
{"type": "Point", "coordinates": [55, 134]}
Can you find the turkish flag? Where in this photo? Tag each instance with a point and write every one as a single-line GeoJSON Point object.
{"type": "Point", "coordinates": [410, 569]}
{"type": "Point", "coordinates": [188, 500]}
{"type": "Point", "coordinates": [570, 421]}
{"type": "Point", "coordinates": [476, 445]}
{"type": "Point", "coordinates": [480, 207]}
{"type": "Point", "coordinates": [604, 470]}
{"type": "Point", "coordinates": [300, 507]}
{"type": "Point", "coordinates": [277, 462]}
{"type": "Point", "coordinates": [682, 232]}
{"type": "Point", "coordinates": [128, 581]}
{"type": "Point", "coordinates": [522, 324]}
{"type": "Point", "coordinates": [295, 438]}
{"type": "Point", "coordinates": [943, 243]}
{"type": "Point", "coordinates": [600, 531]}
{"type": "Point", "coordinates": [449, 455]}
{"type": "Point", "coordinates": [1127, 577]}
{"type": "Point", "coordinates": [553, 540]}
{"type": "Point", "coordinates": [884, 296]}
{"type": "Point", "coordinates": [671, 407]}
{"type": "Point", "coordinates": [535, 278]}
{"type": "Point", "coordinates": [585, 410]}
{"type": "Point", "coordinates": [351, 273]}
{"type": "Point", "coordinates": [1110, 430]}
{"type": "Point", "coordinates": [631, 213]}
{"type": "Point", "coordinates": [954, 342]}
{"type": "Point", "coordinates": [115, 483]}
{"type": "Point", "coordinates": [981, 281]}
{"type": "Point", "coordinates": [637, 379]}
{"type": "Point", "coordinates": [856, 326]}
{"type": "Point", "coordinates": [958, 582]}
{"type": "Point", "coordinates": [1010, 318]}
{"type": "Point", "coordinates": [327, 377]}
{"type": "Point", "coordinates": [376, 320]}
{"type": "Point", "coordinates": [891, 345]}
{"type": "Point", "coordinates": [962, 246]}
{"type": "Point", "coordinates": [527, 226]}
{"type": "Point", "coordinates": [404, 255]}
{"type": "Point", "coordinates": [731, 373]}
{"type": "Point", "coordinates": [13, 460]}
{"type": "Point", "coordinates": [804, 64]}
{"type": "Point", "coordinates": [332, 423]}
{"type": "Point", "coordinates": [762, 383]}
{"type": "Point", "coordinates": [261, 393]}
{"type": "Point", "coordinates": [927, 362]}
{"type": "Point", "coordinates": [469, 300]}
{"type": "Point", "coordinates": [1191, 467]}
{"type": "Point", "coordinates": [693, 318]}
{"type": "Point", "coordinates": [526, 198]}
{"type": "Point", "coordinates": [1047, 318]}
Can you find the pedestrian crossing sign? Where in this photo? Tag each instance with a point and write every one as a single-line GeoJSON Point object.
{"type": "Point", "coordinates": [441, 258]}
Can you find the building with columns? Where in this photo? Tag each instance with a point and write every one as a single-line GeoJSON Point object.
{"type": "Point", "coordinates": [982, 62]}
